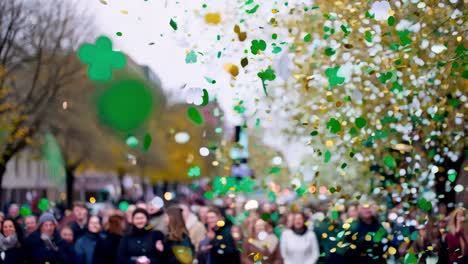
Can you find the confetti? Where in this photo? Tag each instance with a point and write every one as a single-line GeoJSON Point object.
{"type": "Point", "coordinates": [173, 24]}
{"type": "Point", "coordinates": [101, 59]}
{"type": "Point", "coordinates": [147, 142]}
{"type": "Point", "coordinates": [195, 116]}
{"type": "Point", "coordinates": [333, 78]}
{"type": "Point", "coordinates": [257, 45]}
{"type": "Point", "coordinates": [191, 57]}
{"type": "Point", "coordinates": [213, 18]}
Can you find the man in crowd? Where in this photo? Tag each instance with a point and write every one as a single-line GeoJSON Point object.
{"type": "Point", "coordinates": [14, 213]}
{"type": "Point", "coordinates": [30, 224]}
{"type": "Point", "coordinates": [80, 213]}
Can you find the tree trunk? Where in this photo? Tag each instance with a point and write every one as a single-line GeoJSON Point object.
{"type": "Point", "coordinates": [70, 184]}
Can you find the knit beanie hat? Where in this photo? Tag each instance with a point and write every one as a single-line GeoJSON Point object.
{"type": "Point", "coordinates": [47, 217]}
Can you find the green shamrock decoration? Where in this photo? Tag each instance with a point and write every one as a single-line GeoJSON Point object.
{"type": "Point", "coordinates": [333, 78]}
{"type": "Point", "coordinates": [360, 122]}
{"type": "Point", "coordinates": [424, 204]}
{"type": "Point", "coordinates": [266, 75]}
{"type": "Point", "coordinates": [257, 45]}
{"type": "Point", "coordinates": [191, 57]}
{"type": "Point", "coordinates": [334, 125]}
{"type": "Point", "coordinates": [101, 59]}
{"type": "Point", "coordinates": [194, 171]}
{"type": "Point", "coordinates": [390, 161]}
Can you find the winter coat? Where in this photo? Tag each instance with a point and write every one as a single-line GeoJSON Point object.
{"type": "Point", "coordinates": [176, 252]}
{"type": "Point", "coordinates": [197, 230]}
{"type": "Point", "coordinates": [157, 222]}
{"type": "Point", "coordinates": [78, 231]}
{"type": "Point", "coordinates": [140, 242]}
{"type": "Point", "coordinates": [13, 255]}
{"type": "Point", "coordinates": [84, 248]}
{"type": "Point", "coordinates": [38, 251]}
{"type": "Point", "coordinates": [106, 249]}
{"type": "Point", "coordinates": [268, 248]}
{"type": "Point", "coordinates": [296, 248]}
{"type": "Point", "coordinates": [224, 249]}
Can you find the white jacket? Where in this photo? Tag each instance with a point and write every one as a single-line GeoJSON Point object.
{"type": "Point", "coordinates": [299, 249]}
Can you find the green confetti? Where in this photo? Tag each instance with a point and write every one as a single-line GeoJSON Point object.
{"type": "Point", "coordinates": [276, 50]}
{"type": "Point", "coordinates": [195, 115]}
{"type": "Point", "coordinates": [257, 45]}
{"type": "Point", "coordinates": [452, 175]}
{"type": "Point", "coordinates": [191, 57]}
{"type": "Point", "coordinates": [369, 15]}
{"type": "Point", "coordinates": [25, 211]}
{"type": "Point", "coordinates": [307, 38]}
{"type": "Point", "coordinates": [334, 215]}
{"type": "Point", "coordinates": [332, 190]}
{"type": "Point", "coordinates": [244, 62]}
{"type": "Point", "coordinates": [132, 141]}
{"type": "Point", "coordinates": [344, 165]}
{"type": "Point", "coordinates": [314, 133]}
{"type": "Point", "coordinates": [266, 75]}
{"type": "Point", "coordinates": [353, 131]}
{"type": "Point", "coordinates": [209, 80]}
{"type": "Point", "coordinates": [360, 122]}
{"type": "Point", "coordinates": [404, 37]}
{"type": "Point", "coordinates": [327, 156]}
{"type": "Point", "coordinates": [209, 195]}
{"type": "Point", "coordinates": [147, 142]}
{"type": "Point", "coordinates": [194, 171]}
{"type": "Point", "coordinates": [275, 170]}
{"type": "Point", "coordinates": [125, 104]}
{"type": "Point", "coordinates": [368, 36]}
{"type": "Point", "coordinates": [274, 36]}
{"type": "Point", "coordinates": [424, 204]}
{"type": "Point", "coordinates": [391, 21]}
{"type": "Point", "coordinates": [389, 161]}
{"type": "Point", "coordinates": [330, 52]}
{"type": "Point", "coordinates": [123, 206]}
{"type": "Point", "coordinates": [101, 59]}
{"type": "Point", "coordinates": [205, 98]}
{"type": "Point", "coordinates": [119, 34]}
{"type": "Point", "coordinates": [43, 204]}
{"type": "Point", "coordinates": [253, 10]}
{"type": "Point", "coordinates": [333, 125]}
{"type": "Point", "coordinates": [379, 235]}
{"type": "Point", "coordinates": [173, 24]}
{"type": "Point", "coordinates": [345, 30]}
{"type": "Point", "coordinates": [410, 258]}
{"type": "Point", "coordinates": [333, 78]}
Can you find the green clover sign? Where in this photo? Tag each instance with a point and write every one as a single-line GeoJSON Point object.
{"type": "Point", "coordinates": [101, 59]}
{"type": "Point", "coordinates": [194, 171]}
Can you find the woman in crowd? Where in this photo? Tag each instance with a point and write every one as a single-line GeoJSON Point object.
{"type": "Point", "coordinates": [45, 245]}
{"type": "Point", "coordinates": [297, 244]}
{"type": "Point", "coordinates": [142, 245]}
{"type": "Point", "coordinates": [10, 242]}
{"type": "Point", "coordinates": [85, 245]}
{"type": "Point", "coordinates": [263, 241]}
{"type": "Point", "coordinates": [109, 244]}
{"type": "Point", "coordinates": [197, 230]}
{"type": "Point", "coordinates": [66, 233]}
{"type": "Point", "coordinates": [178, 247]}
{"type": "Point", "coordinates": [456, 239]}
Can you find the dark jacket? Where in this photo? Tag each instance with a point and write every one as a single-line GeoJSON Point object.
{"type": "Point", "coordinates": [176, 252]}
{"type": "Point", "coordinates": [13, 256]}
{"type": "Point", "coordinates": [37, 251]}
{"type": "Point", "coordinates": [366, 251]}
{"type": "Point", "coordinates": [84, 248]}
{"type": "Point", "coordinates": [224, 249]}
{"type": "Point", "coordinates": [140, 242]}
{"type": "Point", "coordinates": [77, 230]}
{"type": "Point", "coordinates": [106, 249]}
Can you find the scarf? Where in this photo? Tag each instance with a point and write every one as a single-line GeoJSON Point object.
{"type": "Point", "coordinates": [49, 243]}
{"type": "Point", "coordinates": [301, 231]}
{"type": "Point", "coordinates": [7, 243]}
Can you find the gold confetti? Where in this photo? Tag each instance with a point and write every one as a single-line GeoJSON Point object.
{"type": "Point", "coordinates": [392, 250]}
{"type": "Point", "coordinates": [125, 12]}
{"type": "Point", "coordinates": [232, 69]}
{"type": "Point", "coordinates": [213, 18]}
{"type": "Point", "coordinates": [103, 2]}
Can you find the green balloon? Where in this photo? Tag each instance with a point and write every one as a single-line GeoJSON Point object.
{"type": "Point", "coordinates": [126, 105]}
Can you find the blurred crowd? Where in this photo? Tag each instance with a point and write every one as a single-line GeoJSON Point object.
{"type": "Point", "coordinates": [228, 232]}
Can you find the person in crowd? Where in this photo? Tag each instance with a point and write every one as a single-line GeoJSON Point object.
{"type": "Point", "coordinates": [423, 246]}
{"type": "Point", "coordinates": [352, 212]}
{"type": "Point", "coordinates": [178, 247]}
{"type": "Point", "coordinates": [79, 225]}
{"type": "Point", "coordinates": [327, 231]}
{"type": "Point", "coordinates": [128, 218]}
{"type": "Point", "coordinates": [222, 247]}
{"type": "Point", "coordinates": [197, 230]}
{"type": "Point", "coordinates": [298, 244]}
{"type": "Point", "coordinates": [456, 238]}
{"type": "Point", "coordinates": [142, 245]}
{"type": "Point", "coordinates": [66, 233]}
{"type": "Point", "coordinates": [2, 217]}
{"type": "Point", "coordinates": [156, 214]}
{"type": "Point", "coordinates": [109, 244]}
{"type": "Point", "coordinates": [362, 249]}
{"type": "Point", "coordinates": [441, 241]}
{"type": "Point", "coordinates": [85, 245]}
{"type": "Point", "coordinates": [30, 224]}
{"type": "Point", "coordinates": [265, 242]}
{"type": "Point", "coordinates": [11, 242]}
{"type": "Point", "coordinates": [14, 213]}
{"type": "Point", "coordinates": [45, 245]}
{"type": "Point", "coordinates": [202, 213]}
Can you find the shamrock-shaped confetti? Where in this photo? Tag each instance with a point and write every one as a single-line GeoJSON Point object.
{"type": "Point", "coordinates": [101, 59]}
{"type": "Point", "coordinates": [334, 125]}
{"type": "Point", "coordinates": [194, 171]}
{"type": "Point", "coordinates": [191, 57]}
{"type": "Point", "coordinates": [333, 78]}
{"type": "Point", "coordinates": [257, 45]}
{"type": "Point", "coordinates": [266, 75]}
{"type": "Point", "coordinates": [43, 204]}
